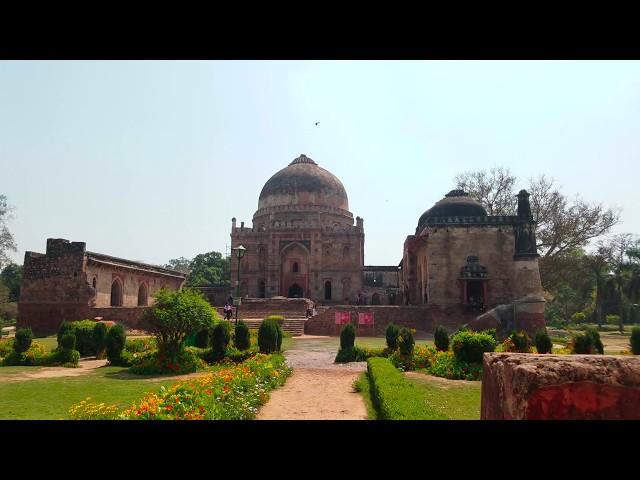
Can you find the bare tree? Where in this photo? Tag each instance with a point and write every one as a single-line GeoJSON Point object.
{"type": "Point", "coordinates": [494, 189]}
{"type": "Point", "coordinates": [562, 225]}
{"type": "Point", "coordinates": [7, 242]}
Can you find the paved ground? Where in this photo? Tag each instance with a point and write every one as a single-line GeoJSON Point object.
{"type": "Point", "coordinates": [318, 389]}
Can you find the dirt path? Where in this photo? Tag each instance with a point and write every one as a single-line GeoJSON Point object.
{"type": "Point", "coordinates": [318, 388]}
{"type": "Point", "coordinates": [85, 366]}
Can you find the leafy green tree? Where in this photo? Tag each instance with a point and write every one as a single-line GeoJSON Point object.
{"type": "Point", "coordinates": [210, 268]}
{"type": "Point", "coordinates": [11, 277]}
{"type": "Point", "coordinates": [180, 264]}
{"type": "Point", "coordinates": [176, 314]}
{"type": "Point", "coordinates": [7, 242]}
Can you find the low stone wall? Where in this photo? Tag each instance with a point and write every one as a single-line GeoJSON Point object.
{"type": "Point", "coordinates": [44, 319]}
{"type": "Point", "coordinates": [522, 386]}
{"type": "Point", "coordinates": [424, 318]}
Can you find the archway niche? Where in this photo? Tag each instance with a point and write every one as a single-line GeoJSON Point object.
{"type": "Point", "coordinates": [294, 269]}
{"type": "Point", "coordinates": [327, 290]}
{"type": "Point", "coordinates": [295, 291]}
{"type": "Point", "coordinates": [142, 295]}
{"type": "Point", "coordinates": [116, 293]}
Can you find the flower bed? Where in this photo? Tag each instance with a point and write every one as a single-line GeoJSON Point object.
{"type": "Point", "coordinates": [445, 364]}
{"type": "Point", "coordinates": [231, 393]}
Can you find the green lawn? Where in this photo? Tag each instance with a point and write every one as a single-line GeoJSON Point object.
{"type": "Point", "coordinates": [457, 400]}
{"type": "Point", "coordinates": [50, 398]}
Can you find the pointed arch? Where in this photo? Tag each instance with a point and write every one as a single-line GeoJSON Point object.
{"type": "Point", "coordinates": [116, 292]}
{"type": "Point", "coordinates": [143, 295]}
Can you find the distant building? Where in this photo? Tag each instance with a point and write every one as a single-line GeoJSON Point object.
{"type": "Point", "coordinates": [461, 256]}
{"type": "Point", "coordinates": [70, 283]}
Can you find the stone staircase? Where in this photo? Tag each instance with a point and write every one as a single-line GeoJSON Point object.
{"type": "Point", "coordinates": [294, 326]}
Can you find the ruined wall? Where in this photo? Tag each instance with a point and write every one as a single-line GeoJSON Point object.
{"type": "Point", "coordinates": [424, 318]}
{"type": "Point", "coordinates": [518, 386]}
{"type": "Point", "coordinates": [446, 252]}
{"type": "Point", "coordinates": [57, 286]}
{"type": "Point", "coordinates": [131, 279]}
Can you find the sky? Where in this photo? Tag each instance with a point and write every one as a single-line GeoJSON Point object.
{"type": "Point", "coordinates": [150, 160]}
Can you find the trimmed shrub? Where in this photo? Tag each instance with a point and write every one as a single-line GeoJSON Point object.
{"type": "Point", "coordinates": [242, 338]}
{"type": "Point", "coordinates": [68, 341]}
{"type": "Point", "coordinates": [100, 339]}
{"type": "Point", "coordinates": [394, 397]}
{"type": "Point", "coordinates": [543, 342]}
{"type": "Point", "coordinates": [345, 355]}
{"type": "Point", "coordinates": [634, 341]}
{"type": "Point", "coordinates": [469, 346]}
{"type": "Point", "coordinates": [492, 332]}
{"type": "Point", "coordinates": [441, 338]}
{"type": "Point", "coordinates": [202, 338]}
{"type": "Point", "coordinates": [64, 327]}
{"type": "Point", "coordinates": [391, 335]}
{"type": "Point", "coordinates": [578, 317]}
{"type": "Point", "coordinates": [220, 339]}
{"type": "Point", "coordinates": [279, 319]}
{"type": "Point", "coordinates": [612, 319]}
{"type": "Point", "coordinates": [347, 336]}
{"type": "Point", "coordinates": [521, 342]}
{"type": "Point", "coordinates": [22, 342]}
{"type": "Point", "coordinates": [587, 342]}
{"type": "Point", "coordinates": [268, 336]}
{"type": "Point", "coordinates": [406, 342]}
{"type": "Point", "coordinates": [115, 342]}
{"type": "Point", "coordinates": [280, 335]}
{"type": "Point", "coordinates": [83, 330]}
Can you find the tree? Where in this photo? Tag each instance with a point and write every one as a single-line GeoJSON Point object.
{"type": "Point", "coordinates": [209, 269]}
{"type": "Point", "coordinates": [11, 277]}
{"type": "Point", "coordinates": [7, 242]}
{"type": "Point", "coordinates": [180, 264]}
{"type": "Point", "coordinates": [494, 189]}
{"type": "Point", "coordinates": [176, 314]}
{"type": "Point", "coordinates": [562, 224]}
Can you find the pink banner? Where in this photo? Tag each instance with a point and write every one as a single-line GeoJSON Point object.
{"type": "Point", "coordinates": [365, 318]}
{"type": "Point", "coordinates": [342, 318]}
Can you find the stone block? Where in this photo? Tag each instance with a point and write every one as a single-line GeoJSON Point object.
{"type": "Point", "coordinates": [522, 386]}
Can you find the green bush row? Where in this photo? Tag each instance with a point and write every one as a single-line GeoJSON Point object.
{"type": "Point", "coordinates": [394, 397]}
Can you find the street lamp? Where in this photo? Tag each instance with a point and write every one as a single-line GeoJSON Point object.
{"type": "Point", "coordinates": [239, 251]}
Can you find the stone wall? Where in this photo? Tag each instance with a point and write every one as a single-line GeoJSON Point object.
{"type": "Point", "coordinates": [518, 386]}
{"type": "Point", "coordinates": [424, 318]}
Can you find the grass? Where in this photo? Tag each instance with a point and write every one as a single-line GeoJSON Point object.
{"type": "Point", "coordinates": [334, 342]}
{"type": "Point", "coordinates": [395, 398]}
{"type": "Point", "coordinates": [362, 386]}
{"type": "Point", "coordinates": [457, 400]}
{"type": "Point", "coordinates": [50, 398]}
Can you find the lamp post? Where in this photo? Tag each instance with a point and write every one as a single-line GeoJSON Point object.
{"type": "Point", "coordinates": [239, 251]}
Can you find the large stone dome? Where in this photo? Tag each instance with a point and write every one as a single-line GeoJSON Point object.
{"type": "Point", "coordinates": [456, 203]}
{"type": "Point", "coordinates": [303, 184]}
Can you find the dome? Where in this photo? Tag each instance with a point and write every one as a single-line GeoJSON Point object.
{"type": "Point", "coordinates": [303, 183]}
{"type": "Point", "coordinates": [456, 203]}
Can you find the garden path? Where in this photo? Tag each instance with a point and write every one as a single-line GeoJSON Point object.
{"type": "Point", "coordinates": [318, 389]}
{"type": "Point", "coordinates": [84, 367]}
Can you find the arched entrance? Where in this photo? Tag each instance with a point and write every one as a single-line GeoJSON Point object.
{"type": "Point", "coordinates": [116, 293]}
{"type": "Point", "coordinates": [295, 291]}
{"type": "Point", "coordinates": [327, 290]}
{"type": "Point", "coordinates": [294, 270]}
{"type": "Point", "coordinates": [142, 295]}
{"type": "Point", "coordinates": [375, 299]}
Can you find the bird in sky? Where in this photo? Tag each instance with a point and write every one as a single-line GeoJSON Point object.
{"type": "Point", "coordinates": [317, 123]}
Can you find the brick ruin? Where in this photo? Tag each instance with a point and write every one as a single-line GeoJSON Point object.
{"type": "Point", "coordinates": [69, 283]}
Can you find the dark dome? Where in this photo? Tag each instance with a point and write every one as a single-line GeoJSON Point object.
{"type": "Point", "coordinates": [456, 203]}
{"type": "Point", "coordinates": [303, 183]}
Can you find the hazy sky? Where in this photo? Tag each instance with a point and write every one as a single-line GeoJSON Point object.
{"type": "Point", "coordinates": [149, 160]}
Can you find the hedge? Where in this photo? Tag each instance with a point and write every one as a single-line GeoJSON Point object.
{"type": "Point", "coordinates": [394, 397]}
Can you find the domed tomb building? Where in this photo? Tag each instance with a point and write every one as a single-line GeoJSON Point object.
{"type": "Point", "coordinates": [303, 242]}
{"type": "Point", "coordinates": [459, 255]}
